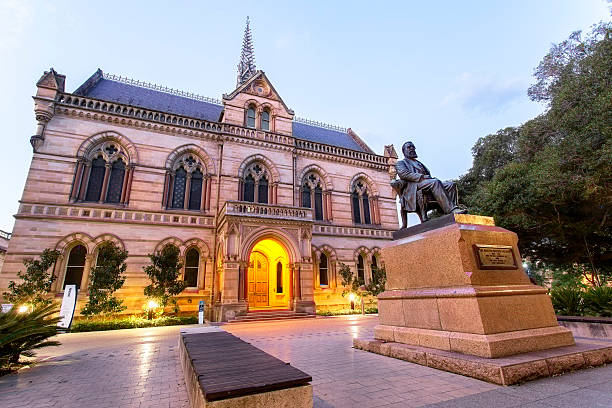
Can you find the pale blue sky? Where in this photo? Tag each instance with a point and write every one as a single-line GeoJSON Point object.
{"type": "Point", "coordinates": [439, 73]}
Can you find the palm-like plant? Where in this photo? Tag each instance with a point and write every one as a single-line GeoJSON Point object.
{"type": "Point", "coordinates": [23, 333]}
{"type": "Point", "coordinates": [598, 301]}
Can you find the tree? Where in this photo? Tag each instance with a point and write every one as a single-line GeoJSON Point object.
{"type": "Point", "coordinates": [105, 279]}
{"type": "Point", "coordinates": [378, 281]}
{"type": "Point", "coordinates": [550, 179]}
{"type": "Point", "coordinates": [164, 272]}
{"type": "Point", "coordinates": [356, 285]}
{"type": "Point", "coordinates": [36, 281]}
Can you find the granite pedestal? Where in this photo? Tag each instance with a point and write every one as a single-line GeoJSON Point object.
{"type": "Point", "coordinates": [456, 284]}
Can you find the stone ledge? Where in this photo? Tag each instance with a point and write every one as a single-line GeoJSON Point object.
{"type": "Point", "coordinates": [503, 371]}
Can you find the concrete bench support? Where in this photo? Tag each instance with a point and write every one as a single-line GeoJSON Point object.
{"type": "Point", "coordinates": [223, 371]}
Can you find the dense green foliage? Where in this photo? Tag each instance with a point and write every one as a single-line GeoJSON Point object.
{"type": "Point", "coordinates": [132, 322]}
{"type": "Point", "coordinates": [567, 301]}
{"type": "Point", "coordinates": [23, 333]}
{"type": "Point", "coordinates": [105, 279]}
{"type": "Point", "coordinates": [354, 284]}
{"type": "Point", "coordinates": [164, 272]}
{"type": "Point", "coordinates": [342, 312]}
{"type": "Point", "coordinates": [550, 180]}
{"type": "Point", "coordinates": [598, 301]}
{"type": "Point", "coordinates": [36, 281]}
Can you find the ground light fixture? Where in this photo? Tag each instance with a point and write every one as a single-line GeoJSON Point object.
{"type": "Point", "coordinates": [151, 305]}
{"type": "Point", "coordinates": [23, 309]}
{"type": "Point", "coordinates": [352, 299]}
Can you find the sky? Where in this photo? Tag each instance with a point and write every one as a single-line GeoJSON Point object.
{"type": "Point", "coordinates": [441, 74]}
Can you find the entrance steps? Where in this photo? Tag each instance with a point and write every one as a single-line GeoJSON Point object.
{"type": "Point", "coordinates": [265, 315]}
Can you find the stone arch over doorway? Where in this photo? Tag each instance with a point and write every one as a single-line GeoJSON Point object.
{"type": "Point", "coordinates": [267, 275]}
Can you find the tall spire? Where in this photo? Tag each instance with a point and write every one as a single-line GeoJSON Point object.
{"type": "Point", "coordinates": [246, 66]}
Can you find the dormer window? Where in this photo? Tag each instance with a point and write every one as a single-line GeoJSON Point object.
{"type": "Point", "coordinates": [250, 119]}
{"type": "Point", "coordinates": [265, 120]}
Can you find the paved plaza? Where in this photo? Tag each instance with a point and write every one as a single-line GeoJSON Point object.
{"type": "Point", "coordinates": [141, 368]}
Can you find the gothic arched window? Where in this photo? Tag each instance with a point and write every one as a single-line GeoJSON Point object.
{"type": "Point", "coordinates": [265, 120]}
{"type": "Point", "coordinates": [374, 265]}
{"type": "Point", "coordinates": [323, 268]}
{"type": "Point", "coordinates": [279, 277]}
{"type": "Point", "coordinates": [262, 190]}
{"type": "Point", "coordinates": [102, 175]}
{"type": "Point", "coordinates": [255, 185]}
{"type": "Point", "coordinates": [361, 203]}
{"type": "Point", "coordinates": [115, 183]}
{"type": "Point", "coordinates": [360, 268]}
{"type": "Point", "coordinates": [75, 266]}
{"type": "Point", "coordinates": [195, 192]}
{"type": "Point", "coordinates": [250, 117]}
{"type": "Point", "coordinates": [96, 179]}
{"type": "Point", "coordinates": [192, 267]}
{"type": "Point", "coordinates": [312, 195]}
{"type": "Point", "coordinates": [178, 194]}
{"type": "Point", "coordinates": [187, 184]}
{"type": "Point", "coordinates": [249, 188]}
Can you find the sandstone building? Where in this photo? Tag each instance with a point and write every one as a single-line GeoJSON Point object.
{"type": "Point", "coordinates": [262, 205]}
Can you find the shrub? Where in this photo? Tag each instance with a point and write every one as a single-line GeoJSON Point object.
{"type": "Point", "coordinates": [132, 322]}
{"type": "Point", "coordinates": [598, 301]}
{"type": "Point", "coordinates": [36, 282]}
{"type": "Point", "coordinates": [106, 278]}
{"type": "Point", "coordinates": [342, 312]}
{"type": "Point", "coordinates": [567, 300]}
{"type": "Point", "coordinates": [164, 272]}
{"type": "Point", "coordinates": [22, 333]}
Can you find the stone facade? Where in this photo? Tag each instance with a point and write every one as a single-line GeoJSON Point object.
{"type": "Point", "coordinates": [106, 168]}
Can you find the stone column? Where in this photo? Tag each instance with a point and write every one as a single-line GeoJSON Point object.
{"type": "Point", "coordinates": [129, 185]}
{"type": "Point", "coordinates": [203, 194]}
{"type": "Point", "coordinates": [107, 171]}
{"type": "Point", "coordinates": [84, 181]}
{"type": "Point", "coordinates": [126, 178]}
{"type": "Point", "coordinates": [305, 278]}
{"type": "Point", "coordinates": [166, 190]}
{"type": "Point", "coordinates": [74, 192]}
{"type": "Point", "coordinates": [187, 192]}
{"type": "Point", "coordinates": [209, 186]}
{"type": "Point", "coordinates": [230, 306]}
{"type": "Point", "coordinates": [89, 261]}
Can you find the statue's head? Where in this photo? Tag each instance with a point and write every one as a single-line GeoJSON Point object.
{"type": "Point", "coordinates": [409, 150]}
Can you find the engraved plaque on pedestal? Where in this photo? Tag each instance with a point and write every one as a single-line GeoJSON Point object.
{"type": "Point", "coordinates": [495, 257]}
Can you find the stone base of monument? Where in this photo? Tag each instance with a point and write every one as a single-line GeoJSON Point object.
{"type": "Point", "coordinates": [504, 370]}
{"type": "Point", "coordinates": [456, 288]}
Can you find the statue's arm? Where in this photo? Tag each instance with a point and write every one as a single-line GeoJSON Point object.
{"type": "Point", "coordinates": [405, 173]}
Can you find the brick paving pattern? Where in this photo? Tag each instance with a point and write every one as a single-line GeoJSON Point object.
{"type": "Point", "coordinates": [140, 368]}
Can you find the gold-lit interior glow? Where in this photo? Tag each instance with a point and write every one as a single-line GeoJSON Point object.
{"type": "Point", "coordinates": [262, 275]}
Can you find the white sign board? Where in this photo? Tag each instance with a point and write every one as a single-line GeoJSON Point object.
{"type": "Point", "coordinates": [6, 307]}
{"type": "Point", "coordinates": [201, 312]}
{"type": "Point", "coordinates": [68, 306]}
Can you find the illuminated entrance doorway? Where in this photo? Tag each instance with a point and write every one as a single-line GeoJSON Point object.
{"type": "Point", "coordinates": [268, 275]}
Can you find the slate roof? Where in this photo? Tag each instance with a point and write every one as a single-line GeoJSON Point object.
{"type": "Point", "coordinates": [324, 135]}
{"type": "Point", "coordinates": [110, 90]}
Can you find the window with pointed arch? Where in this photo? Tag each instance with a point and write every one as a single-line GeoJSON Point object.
{"type": "Point", "coordinates": [374, 265]}
{"type": "Point", "coordinates": [75, 266]}
{"type": "Point", "coordinates": [103, 175]}
{"type": "Point", "coordinates": [361, 203]}
{"type": "Point", "coordinates": [360, 268]}
{"type": "Point", "coordinates": [192, 267]}
{"type": "Point", "coordinates": [255, 184]}
{"type": "Point", "coordinates": [279, 277]}
{"type": "Point", "coordinates": [187, 184]}
{"type": "Point", "coordinates": [250, 116]}
{"type": "Point", "coordinates": [323, 270]}
{"type": "Point", "coordinates": [312, 195]}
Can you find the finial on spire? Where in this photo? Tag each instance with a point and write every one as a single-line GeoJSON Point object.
{"type": "Point", "coordinates": [246, 66]}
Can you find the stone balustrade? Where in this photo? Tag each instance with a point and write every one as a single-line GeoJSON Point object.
{"type": "Point", "coordinates": [258, 210]}
{"type": "Point", "coordinates": [113, 215]}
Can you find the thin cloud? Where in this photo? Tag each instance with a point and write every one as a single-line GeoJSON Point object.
{"type": "Point", "coordinates": [14, 18]}
{"type": "Point", "coordinates": [485, 94]}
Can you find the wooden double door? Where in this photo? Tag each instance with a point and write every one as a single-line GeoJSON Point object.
{"type": "Point", "coordinates": [258, 280]}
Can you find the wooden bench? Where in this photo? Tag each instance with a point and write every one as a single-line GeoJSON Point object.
{"type": "Point", "coordinates": [222, 370]}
